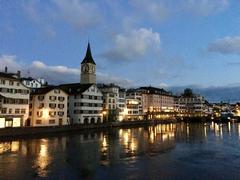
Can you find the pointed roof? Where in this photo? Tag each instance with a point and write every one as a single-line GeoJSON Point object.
{"type": "Point", "coordinates": [88, 57]}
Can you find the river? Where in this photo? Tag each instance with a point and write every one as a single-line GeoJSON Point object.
{"type": "Point", "coordinates": [164, 151]}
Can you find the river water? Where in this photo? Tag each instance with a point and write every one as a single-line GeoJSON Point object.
{"type": "Point", "coordinates": [166, 151]}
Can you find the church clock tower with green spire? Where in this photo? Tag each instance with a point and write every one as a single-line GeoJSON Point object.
{"type": "Point", "coordinates": [88, 68]}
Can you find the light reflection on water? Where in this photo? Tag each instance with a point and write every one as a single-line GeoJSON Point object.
{"type": "Point", "coordinates": [121, 153]}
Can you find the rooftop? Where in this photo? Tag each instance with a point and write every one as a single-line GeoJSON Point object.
{"type": "Point", "coordinates": [75, 88]}
{"type": "Point", "coordinates": [88, 57]}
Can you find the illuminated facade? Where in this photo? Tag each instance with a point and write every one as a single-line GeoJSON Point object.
{"type": "Point", "coordinates": [48, 107]}
{"type": "Point", "coordinates": [132, 110]}
{"type": "Point", "coordinates": [154, 101]}
{"type": "Point", "coordinates": [191, 106]}
{"type": "Point", "coordinates": [113, 102]}
{"type": "Point", "coordinates": [14, 100]}
{"type": "Point", "coordinates": [136, 94]}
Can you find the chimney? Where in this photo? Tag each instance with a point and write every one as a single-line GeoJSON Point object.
{"type": "Point", "coordinates": [6, 69]}
{"type": "Point", "coordinates": [18, 74]}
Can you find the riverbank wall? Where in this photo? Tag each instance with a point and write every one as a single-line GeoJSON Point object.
{"type": "Point", "coordinates": [25, 131]}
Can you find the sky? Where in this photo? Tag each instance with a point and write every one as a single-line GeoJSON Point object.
{"type": "Point", "coordinates": [162, 43]}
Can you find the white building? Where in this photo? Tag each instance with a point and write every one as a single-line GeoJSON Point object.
{"type": "Point", "coordinates": [110, 101]}
{"type": "Point", "coordinates": [136, 94]}
{"type": "Point", "coordinates": [132, 110]}
{"type": "Point", "coordinates": [33, 83]}
{"type": "Point", "coordinates": [48, 107]}
{"type": "Point", "coordinates": [121, 104]}
{"type": "Point", "coordinates": [14, 100]}
{"type": "Point", "coordinates": [84, 103]}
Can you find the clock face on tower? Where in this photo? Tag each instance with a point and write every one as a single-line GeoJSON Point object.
{"type": "Point", "coordinates": [85, 68]}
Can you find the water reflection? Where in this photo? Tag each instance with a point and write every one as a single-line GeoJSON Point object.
{"type": "Point", "coordinates": [43, 158]}
{"type": "Point", "coordinates": [82, 155]}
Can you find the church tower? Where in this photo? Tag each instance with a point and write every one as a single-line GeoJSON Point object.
{"type": "Point", "coordinates": [88, 68]}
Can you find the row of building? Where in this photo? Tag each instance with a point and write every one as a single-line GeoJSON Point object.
{"type": "Point", "coordinates": [32, 102]}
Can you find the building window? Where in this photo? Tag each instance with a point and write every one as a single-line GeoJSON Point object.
{"type": "Point", "coordinates": [41, 105]}
{"type": "Point", "coordinates": [39, 113]}
{"type": "Point", "coordinates": [60, 106]}
{"type": "Point", "coordinates": [61, 113]}
{"type": "Point", "coordinates": [61, 99]}
{"type": "Point", "coordinates": [41, 98]}
{"type": "Point", "coordinates": [52, 113]}
{"type": "Point", "coordinates": [38, 121]}
{"type": "Point", "coordinates": [17, 111]}
{"type": "Point", "coordinates": [23, 111]}
{"type": "Point", "coordinates": [10, 111]}
{"type": "Point", "coordinates": [52, 98]}
{"type": "Point", "coordinates": [51, 121]}
{"type": "Point", "coordinates": [52, 105]}
{"type": "Point", "coordinates": [56, 91]}
{"type": "Point", "coordinates": [4, 110]}
{"type": "Point", "coordinates": [2, 81]}
{"type": "Point", "coordinates": [11, 83]}
{"type": "Point", "coordinates": [92, 120]}
{"type": "Point", "coordinates": [90, 97]}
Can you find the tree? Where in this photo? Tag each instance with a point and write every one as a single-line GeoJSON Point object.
{"type": "Point", "coordinates": [188, 92]}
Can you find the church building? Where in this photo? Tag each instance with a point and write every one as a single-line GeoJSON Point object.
{"type": "Point", "coordinates": [85, 104]}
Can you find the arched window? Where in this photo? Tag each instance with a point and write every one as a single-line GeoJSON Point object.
{"type": "Point", "coordinates": [99, 120]}
{"type": "Point", "coordinates": [92, 120]}
{"type": "Point", "coordinates": [85, 120]}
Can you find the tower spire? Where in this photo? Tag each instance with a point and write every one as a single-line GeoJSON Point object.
{"type": "Point", "coordinates": [88, 57]}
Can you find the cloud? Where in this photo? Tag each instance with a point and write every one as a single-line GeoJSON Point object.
{"type": "Point", "coordinates": [81, 14]}
{"type": "Point", "coordinates": [107, 78]}
{"type": "Point", "coordinates": [133, 44]}
{"type": "Point", "coordinates": [55, 74]}
{"type": "Point", "coordinates": [9, 61]}
{"type": "Point", "coordinates": [152, 9]}
{"type": "Point", "coordinates": [226, 45]}
{"type": "Point", "coordinates": [205, 7]}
